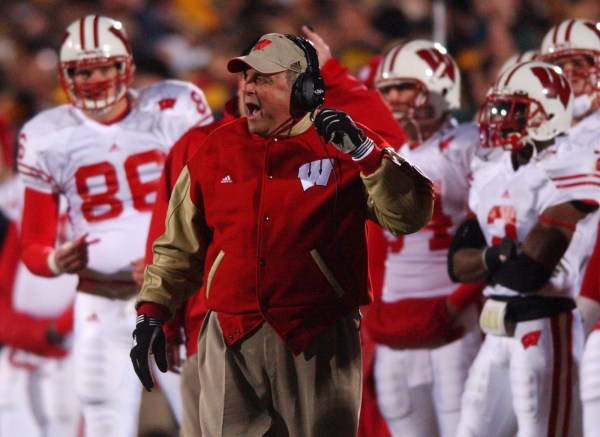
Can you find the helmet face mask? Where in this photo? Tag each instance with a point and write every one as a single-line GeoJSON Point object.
{"type": "Point", "coordinates": [90, 49]}
{"type": "Point", "coordinates": [530, 102]}
{"type": "Point", "coordinates": [504, 120]}
{"type": "Point", "coordinates": [431, 70]}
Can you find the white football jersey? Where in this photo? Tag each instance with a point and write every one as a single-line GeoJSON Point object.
{"type": "Point", "coordinates": [509, 203]}
{"type": "Point", "coordinates": [109, 173]}
{"type": "Point", "coordinates": [587, 131]}
{"type": "Point", "coordinates": [416, 264]}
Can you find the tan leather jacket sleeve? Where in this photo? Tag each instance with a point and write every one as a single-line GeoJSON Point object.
{"type": "Point", "coordinates": [400, 196]}
{"type": "Point", "coordinates": [177, 267]}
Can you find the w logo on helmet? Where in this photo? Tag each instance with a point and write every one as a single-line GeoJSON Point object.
{"type": "Point", "coordinates": [435, 59]}
{"type": "Point", "coordinates": [594, 28]}
{"type": "Point", "coordinates": [554, 84]}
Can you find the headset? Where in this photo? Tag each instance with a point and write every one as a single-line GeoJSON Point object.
{"type": "Point", "coordinates": [308, 91]}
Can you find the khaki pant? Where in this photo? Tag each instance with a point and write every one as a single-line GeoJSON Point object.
{"type": "Point", "coordinates": [190, 398]}
{"type": "Point", "coordinates": [259, 388]}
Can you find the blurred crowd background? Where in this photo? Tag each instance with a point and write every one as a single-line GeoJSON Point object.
{"type": "Point", "coordinates": [193, 39]}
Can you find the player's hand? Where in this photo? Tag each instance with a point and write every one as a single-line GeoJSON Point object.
{"type": "Point", "coordinates": [323, 50]}
{"type": "Point", "coordinates": [148, 339]}
{"type": "Point", "coordinates": [139, 265]}
{"type": "Point", "coordinates": [174, 357]}
{"type": "Point", "coordinates": [337, 127]}
{"type": "Point", "coordinates": [496, 256]}
{"type": "Point", "coordinates": [72, 256]}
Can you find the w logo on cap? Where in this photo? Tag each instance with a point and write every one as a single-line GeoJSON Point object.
{"type": "Point", "coordinates": [554, 84]}
{"type": "Point", "coordinates": [435, 59]}
{"type": "Point", "coordinates": [262, 44]}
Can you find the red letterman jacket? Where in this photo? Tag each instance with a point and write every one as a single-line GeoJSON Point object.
{"type": "Point", "coordinates": [274, 230]}
{"type": "Point", "coordinates": [343, 91]}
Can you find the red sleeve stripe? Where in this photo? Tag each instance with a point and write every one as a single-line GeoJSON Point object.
{"type": "Point", "coordinates": [552, 222]}
{"type": "Point", "coordinates": [34, 172]}
{"type": "Point", "coordinates": [582, 175]}
{"type": "Point", "coordinates": [578, 184]}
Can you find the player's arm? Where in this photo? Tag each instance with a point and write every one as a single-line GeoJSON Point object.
{"type": "Point", "coordinates": [18, 329]}
{"type": "Point", "coordinates": [377, 246]}
{"type": "Point", "coordinates": [425, 322]}
{"type": "Point", "coordinates": [174, 337]}
{"type": "Point", "coordinates": [588, 301]}
{"type": "Point", "coordinates": [526, 267]}
{"type": "Point", "coordinates": [39, 230]}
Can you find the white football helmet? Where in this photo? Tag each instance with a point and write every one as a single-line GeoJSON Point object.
{"type": "Point", "coordinates": [90, 42]}
{"type": "Point", "coordinates": [429, 66]}
{"type": "Point", "coordinates": [517, 58]}
{"type": "Point", "coordinates": [571, 38]}
{"type": "Point", "coordinates": [530, 101]}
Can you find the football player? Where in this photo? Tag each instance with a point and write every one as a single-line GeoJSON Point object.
{"type": "Point", "coordinates": [528, 204]}
{"type": "Point", "coordinates": [574, 45]}
{"type": "Point", "coordinates": [104, 152]}
{"type": "Point", "coordinates": [418, 386]}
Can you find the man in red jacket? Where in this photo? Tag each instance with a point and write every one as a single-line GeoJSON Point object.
{"type": "Point", "coordinates": [343, 91]}
{"type": "Point", "coordinates": [269, 219]}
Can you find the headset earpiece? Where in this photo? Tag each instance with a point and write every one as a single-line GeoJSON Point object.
{"type": "Point", "coordinates": [308, 91]}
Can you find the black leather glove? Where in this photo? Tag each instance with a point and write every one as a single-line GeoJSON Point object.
{"type": "Point", "coordinates": [495, 256]}
{"type": "Point", "coordinates": [148, 338]}
{"type": "Point", "coordinates": [337, 127]}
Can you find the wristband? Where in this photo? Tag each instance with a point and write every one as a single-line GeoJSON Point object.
{"type": "Point", "coordinates": [51, 261]}
{"type": "Point", "coordinates": [363, 150]}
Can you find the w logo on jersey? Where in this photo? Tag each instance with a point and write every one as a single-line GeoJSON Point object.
{"type": "Point", "coordinates": [436, 59]}
{"type": "Point", "coordinates": [555, 85]}
{"type": "Point", "coordinates": [315, 173]}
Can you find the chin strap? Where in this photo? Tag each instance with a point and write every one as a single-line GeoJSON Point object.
{"type": "Point", "coordinates": [526, 141]}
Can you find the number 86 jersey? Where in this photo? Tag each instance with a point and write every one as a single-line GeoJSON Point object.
{"type": "Point", "coordinates": [109, 173]}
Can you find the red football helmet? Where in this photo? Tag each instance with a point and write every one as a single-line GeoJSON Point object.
{"type": "Point", "coordinates": [92, 42]}
{"type": "Point", "coordinates": [531, 101]}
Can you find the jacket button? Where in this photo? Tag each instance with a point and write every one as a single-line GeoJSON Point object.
{"type": "Point", "coordinates": [237, 332]}
{"type": "Point", "coordinates": [262, 262]}
{"type": "Point", "coordinates": [230, 337]}
{"type": "Point", "coordinates": [266, 218]}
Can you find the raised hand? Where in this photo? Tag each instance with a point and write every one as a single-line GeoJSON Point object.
{"type": "Point", "coordinates": [337, 127]}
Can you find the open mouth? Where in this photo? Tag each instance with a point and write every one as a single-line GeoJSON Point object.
{"type": "Point", "coordinates": [252, 110]}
